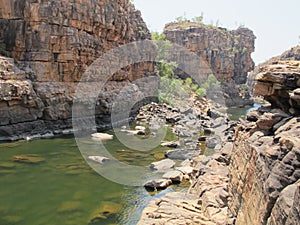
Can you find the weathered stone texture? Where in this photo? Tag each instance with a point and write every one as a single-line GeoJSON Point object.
{"type": "Point", "coordinates": [227, 54]}
{"type": "Point", "coordinates": [53, 43]}
{"type": "Point", "coordinates": [279, 84]}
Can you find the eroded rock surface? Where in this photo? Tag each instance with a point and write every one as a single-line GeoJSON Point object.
{"type": "Point", "coordinates": [226, 54]}
{"type": "Point", "coordinates": [253, 180]}
{"type": "Point", "coordinates": [48, 46]}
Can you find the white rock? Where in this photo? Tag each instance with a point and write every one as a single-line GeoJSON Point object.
{"type": "Point", "coordinates": [98, 159]}
{"type": "Point", "coordinates": [102, 136]}
{"type": "Point", "coordinates": [140, 128]}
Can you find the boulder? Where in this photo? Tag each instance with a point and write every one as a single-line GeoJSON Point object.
{"type": "Point", "coordinates": [181, 154]}
{"type": "Point", "coordinates": [267, 120]}
{"type": "Point", "coordinates": [157, 184]}
{"type": "Point", "coordinates": [162, 165]}
{"type": "Point", "coordinates": [212, 142]}
{"type": "Point", "coordinates": [174, 176]}
{"type": "Point", "coordinates": [186, 170]}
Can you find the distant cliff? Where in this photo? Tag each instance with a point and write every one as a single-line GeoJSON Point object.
{"type": "Point", "coordinates": [227, 53]}
{"type": "Point", "coordinates": [52, 43]}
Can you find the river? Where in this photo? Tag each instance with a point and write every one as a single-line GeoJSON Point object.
{"type": "Point", "coordinates": [63, 189]}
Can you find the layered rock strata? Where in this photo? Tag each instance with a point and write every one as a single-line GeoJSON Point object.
{"type": "Point", "coordinates": [53, 43]}
{"type": "Point", "coordinates": [226, 54]}
{"type": "Point", "coordinates": [265, 164]}
{"type": "Point", "coordinates": [256, 178]}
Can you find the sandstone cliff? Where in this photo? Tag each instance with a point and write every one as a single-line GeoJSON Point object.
{"type": "Point", "coordinates": [291, 54]}
{"type": "Point", "coordinates": [255, 179]}
{"type": "Point", "coordinates": [265, 166]}
{"type": "Point", "coordinates": [227, 53]}
{"type": "Point", "coordinates": [52, 43]}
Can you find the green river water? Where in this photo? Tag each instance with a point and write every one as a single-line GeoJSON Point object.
{"type": "Point", "coordinates": [63, 190]}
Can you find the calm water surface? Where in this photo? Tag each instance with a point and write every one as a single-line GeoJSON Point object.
{"type": "Point", "coordinates": [63, 189]}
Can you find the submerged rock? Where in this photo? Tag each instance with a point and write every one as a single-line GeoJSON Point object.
{"type": "Point", "coordinates": [106, 210]}
{"type": "Point", "coordinates": [29, 158]}
{"type": "Point", "coordinates": [69, 206]}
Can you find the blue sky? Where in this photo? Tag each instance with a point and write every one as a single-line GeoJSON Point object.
{"type": "Point", "coordinates": [276, 24]}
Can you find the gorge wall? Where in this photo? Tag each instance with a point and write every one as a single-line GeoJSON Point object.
{"type": "Point", "coordinates": [254, 178]}
{"type": "Point", "coordinates": [265, 166]}
{"type": "Point", "coordinates": [47, 46]}
{"type": "Point", "coordinates": [226, 53]}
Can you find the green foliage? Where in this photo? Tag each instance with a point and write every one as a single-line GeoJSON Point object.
{"type": "Point", "coordinates": [163, 46]}
{"type": "Point", "coordinates": [188, 81]}
{"type": "Point", "coordinates": [179, 19]}
{"type": "Point", "coordinates": [165, 69]}
{"type": "Point", "coordinates": [201, 92]}
{"type": "Point", "coordinates": [211, 83]}
{"type": "Point", "coordinates": [157, 36]}
{"type": "Point", "coordinates": [244, 87]}
{"type": "Point", "coordinates": [172, 91]}
{"type": "Point", "coordinates": [198, 19]}
{"type": "Point", "coordinates": [194, 87]}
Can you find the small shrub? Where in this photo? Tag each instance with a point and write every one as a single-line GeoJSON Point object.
{"type": "Point", "coordinates": [201, 92]}
{"type": "Point", "coordinates": [194, 87]}
{"type": "Point", "coordinates": [188, 81]}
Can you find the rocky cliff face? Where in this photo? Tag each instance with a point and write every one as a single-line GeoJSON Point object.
{"type": "Point", "coordinates": [265, 165]}
{"type": "Point", "coordinates": [227, 53]}
{"type": "Point", "coordinates": [291, 54]}
{"type": "Point", "coordinates": [254, 179]}
{"type": "Point", "coordinates": [53, 42]}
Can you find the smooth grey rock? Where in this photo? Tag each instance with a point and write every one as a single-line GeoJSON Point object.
{"type": "Point", "coordinates": [162, 165]}
{"type": "Point", "coordinates": [180, 154]}
{"type": "Point", "coordinates": [186, 170]}
{"type": "Point", "coordinates": [174, 176]}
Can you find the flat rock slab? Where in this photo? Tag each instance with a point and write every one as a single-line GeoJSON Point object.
{"type": "Point", "coordinates": [102, 136]}
{"type": "Point", "coordinates": [158, 184]}
{"type": "Point", "coordinates": [174, 176]}
{"type": "Point", "coordinates": [186, 170]}
{"type": "Point", "coordinates": [172, 144]}
{"type": "Point", "coordinates": [162, 165]}
{"type": "Point", "coordinates": [180, 154]}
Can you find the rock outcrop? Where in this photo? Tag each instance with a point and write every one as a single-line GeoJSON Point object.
{"type": "Point", "coordinates": [226, 53]}
{"type": "Point", "coordinates": [53, 42]}
{"type": "Point", "coordinates": [265, 164]}
{"type": "Point", "coordinates": [254, 180]}
{"type": "Point", "coordinates": [291, 54]}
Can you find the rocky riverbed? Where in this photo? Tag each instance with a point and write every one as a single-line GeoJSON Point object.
{"type": "Point", "coordinates": [254, 178]}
